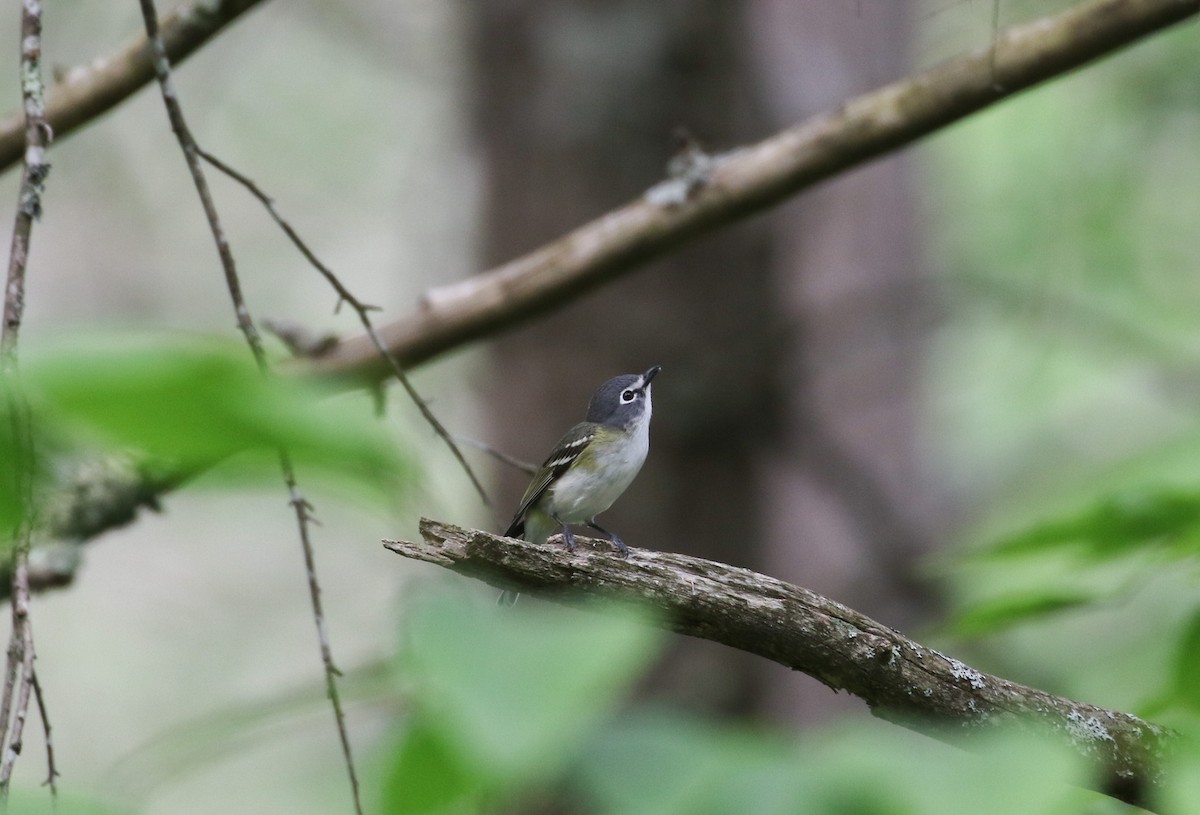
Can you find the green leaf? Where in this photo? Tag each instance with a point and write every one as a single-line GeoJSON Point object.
{"type": "Point", "coordinates": [428, 777]}
{"type": "Point", "coordinates": [10, 496]}
{"type": "Point", "coordinates": [513, 692]}
{"type": "Point", "coordinates": [1185, 689]}
{"type": "Point", "coordinates": [1114, 525]}
{"type": "Point", "coordinates": [194, 401]}
{"type": "Point", "coordinates": [1179, 793]}
{"type": "Point", "coordinates": [889, 771]}
{"type": "Point", "coordinates": [659, 763]}
{"type": "Point", "coordinates": [995, 615]}
{"type": "Point", "coordinates": [16, 453]}
{"type": "Point", "coordinates": [672, 765]}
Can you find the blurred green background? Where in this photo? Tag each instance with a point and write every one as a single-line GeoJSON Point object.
{"type": "Point", "coordinates": [990, 340]}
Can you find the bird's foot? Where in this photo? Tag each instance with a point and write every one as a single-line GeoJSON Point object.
{"type": "Point", "coordinates": [619, 545]}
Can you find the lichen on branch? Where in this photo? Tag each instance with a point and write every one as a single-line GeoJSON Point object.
{"type": "Point", "coordinates": [899, 679]}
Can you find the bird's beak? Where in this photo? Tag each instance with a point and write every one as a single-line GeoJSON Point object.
{"type": "Point", "coordinates": [650, 374]}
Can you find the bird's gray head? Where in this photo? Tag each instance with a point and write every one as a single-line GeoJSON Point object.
{"type": "Point", "coordinates": [622, 400]}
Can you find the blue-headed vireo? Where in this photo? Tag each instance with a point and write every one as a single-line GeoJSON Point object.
{"type": "Point", "coordinates": [590, 467]}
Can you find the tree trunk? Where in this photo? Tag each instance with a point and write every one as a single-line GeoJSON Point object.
{"type": "Point", "coordinates": [849, 505]}
{"type": "Point", "coordinates": [577, 103]}
{"type": "Point", "coordinates": [766, 332]}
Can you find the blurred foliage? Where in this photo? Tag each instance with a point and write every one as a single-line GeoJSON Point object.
{"type": "Point", "coordinates": [30, 803]}
{"type": "Point", "coordinates": [13, 458]}
{"type": "Point", "coordinates": [1064, 221]}
{"type": "Point", "coordinates": [1165, 518]}
{"type": "Point", "coordinates": [989, 616]}
{"type": "Point", "coordinates": [188, 403]}
{"type": "Point", "coordinates": [1184, 689]}
{"type": "Point", "coordinates": [502, 700]}
{"type": "Point", "coordinates": [524, 710]}
{"type": "Point", "coordinates": [513, 711]}
{"type": "Point", "coordinates": [1100, 554]}
{"type": "Point", "coordinates": [1182, 795]}
{"type": "Point", "coordinates": [1065, 378]}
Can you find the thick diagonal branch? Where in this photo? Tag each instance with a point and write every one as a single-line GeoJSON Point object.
{"type": "Point", "coordinates": [85, 92]}
{"type": "Point", "coordinates": [738, 183]}
{"type": "Point", "coordinates": [899, 679]}
{"type": "Point", "coordinates": [748, 180]}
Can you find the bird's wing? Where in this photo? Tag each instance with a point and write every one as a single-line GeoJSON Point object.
{"type": "Point", "coordinates": [566, 452]}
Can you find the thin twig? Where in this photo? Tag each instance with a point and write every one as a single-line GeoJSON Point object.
{"type": "Point", "coordinates": [745, 181]}
{"type": "Point", "coordinates": [187, 143]}
{"type": "Point", "coordinates": [15, 740]}
{"type": "Point", "coordinates": [191, 151]}
{"type": "Point", "coordinates": [303, 519]}
{"type": "Point", "coordinates": [300, 340]}
{"type": "Point", "coordinates": [29, 198]}
{"type": "Point", "coordinates": [18, 680]}
{"type": "Point", "coordinates": [499, 455]}
{"type": "Point", "coordinates": [361, 309]}
{"type": "Point", "coordinates": [51, 768]}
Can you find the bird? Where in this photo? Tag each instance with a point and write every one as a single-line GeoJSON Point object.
{"type": "Point", "coordinates": [590, 467]}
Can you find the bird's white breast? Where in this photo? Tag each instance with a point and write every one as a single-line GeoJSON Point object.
{"type": "Point", "coordinates": [580, 496]}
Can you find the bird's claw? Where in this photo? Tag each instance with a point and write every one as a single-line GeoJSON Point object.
{"type": "Point", "coordinates": [619, 545]}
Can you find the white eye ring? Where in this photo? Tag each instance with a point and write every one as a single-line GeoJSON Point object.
{"type": "Point", "coordinates": [627, 396]}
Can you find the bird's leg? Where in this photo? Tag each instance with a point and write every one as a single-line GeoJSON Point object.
{"type": "Point", "coordinates": [568, 536]}
{"type": "Point", "coordinates": [617, 543]}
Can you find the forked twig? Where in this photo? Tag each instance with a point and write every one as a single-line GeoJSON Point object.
{"type": "Point", "coordinates": [744, 181]}
{"type": "Point", "coordinates": [361, 309]}
{"type": "Point", "coordinates": [162, 69]}
{"type": "Point", "coordinates": [51, 768]}
{"type": "Point", "coordinates": [499, 455]}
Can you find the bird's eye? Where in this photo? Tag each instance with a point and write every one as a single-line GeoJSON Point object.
{"type": "Point", "coordinates": [628, 395]}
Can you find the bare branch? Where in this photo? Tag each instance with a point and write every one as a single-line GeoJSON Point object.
{"type": "Point", "coordinates": [51, 768]}
{"type": "Point", "coordinates": [362, 310]}
{"type": "Point", "coordinates": [748, 180]}
{"type": "Point", "coordinates": [499, 455]}
{"type": "Point", "coordinates": [304, 521]}
{"type": "Point", "coordinates": [21, 650]}
{"type": "Point", "coordinates": [19, 675]}
{"type": "Point", "coordinates": [191, 153]}
{"type": "Point", "coordinates": [88, 91]}
{"type": "Point", "coordinates": [742, 182]}
{"type": "Point", "coordinates": [35, 137]}
{"type": "Point", "coordinates": [187, 143]}
{"type": "Point", "coordinates": [899, 679]}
